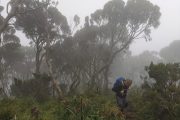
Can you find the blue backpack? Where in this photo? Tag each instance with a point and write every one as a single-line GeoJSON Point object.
{"type": "Point", "coordinates": [117, 84]}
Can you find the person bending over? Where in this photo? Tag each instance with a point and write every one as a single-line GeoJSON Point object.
{"type": "Point", "coordinates": [121, 87]}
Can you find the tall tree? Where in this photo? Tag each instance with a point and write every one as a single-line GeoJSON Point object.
{"type": "Point", "coordinates": [34, 25]}
{"type": "Point", "coordinates": [10, 55]}
{"type": "Point", "coordinates": [9, 42]}
{"type": "Point", "coordinates": [44, 26]}
{"type": "Point", "coordinates": [122, 23]}
{"type": "Point", "coordinates": [13, 8]}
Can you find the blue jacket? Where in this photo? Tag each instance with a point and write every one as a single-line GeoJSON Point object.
{"type": "Point", "coordinates": [119, 87]}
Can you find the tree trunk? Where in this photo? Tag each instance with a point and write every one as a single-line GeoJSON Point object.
{"type": "Point", "coordinates": [55, 85]}
{"type": "Point", "coordinates": [37, 62]}
{"type": "Point", "coordinates": [106, 80]}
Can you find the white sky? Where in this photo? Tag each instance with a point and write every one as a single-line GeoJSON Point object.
{"type": "Point", "coordinates": [168, 30]}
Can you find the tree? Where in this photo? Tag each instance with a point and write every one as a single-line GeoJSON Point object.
{"type": "Point", "coordinates": [44, 26]}
{"type": "Point", "coordinates": [77, 58]}
{"type": "Point", "coordinates": [76, 22]}
{"type": "Point", "coordinates": [10, 51]}
{"type": "Point", "coordinates": [120, 24]}
{"type": "Point", "coordinates": [10, 55]}
{"type": "Point", "coordinates": [10, 13]}
{"type": "Point", "coordinates": [37, 87]}
{"type": "Point", "coordinates": [108, 32]}
{"type": "Point", "coordinates": [161, 98]}
{"type": "Point", "coordinates": [63, 30]}
{"type": "Point", "coordinates": [34, 25]}
{"type": "Point", "coordinates": [14, 8]}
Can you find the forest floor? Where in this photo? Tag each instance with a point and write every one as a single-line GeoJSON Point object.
{"type": "Point", "coordinates": [82, 107]}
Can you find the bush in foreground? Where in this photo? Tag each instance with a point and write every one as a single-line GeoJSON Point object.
{"type": "Point", "coordinates": [96, 107]}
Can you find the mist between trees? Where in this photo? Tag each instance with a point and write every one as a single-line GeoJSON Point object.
{"type": "Point", "coordinates": [63, 60]}
{"type": "Point", "coordinates": [71, 57]}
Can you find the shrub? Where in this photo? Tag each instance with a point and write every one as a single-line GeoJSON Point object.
{"type": "Point", "coordinates": [37, 88]}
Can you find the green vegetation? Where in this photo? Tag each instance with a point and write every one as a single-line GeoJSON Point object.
{"type": "Point", "coordinates": [91, 107]}
{"type": "Point", "coordinates": [159, 99]}
{"type": "Point", "coordinates": [64, 73]}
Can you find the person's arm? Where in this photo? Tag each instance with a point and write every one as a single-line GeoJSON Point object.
{"type": "Point", "coordinates": [125, 92]}
{"type": "Point", "coordinates": [120, 92]}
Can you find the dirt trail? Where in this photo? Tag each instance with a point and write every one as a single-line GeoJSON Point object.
{"type": "Point", "coordinates": [130, 116]}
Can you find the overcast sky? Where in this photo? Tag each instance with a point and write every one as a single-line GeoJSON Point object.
{"type": "Point", "coordinates": [168, 30]}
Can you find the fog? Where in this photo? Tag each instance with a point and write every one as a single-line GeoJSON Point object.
{"type": "Point", "coordinates": [167, 32]}
{"type": "Point", "coordinates": [70, 59]}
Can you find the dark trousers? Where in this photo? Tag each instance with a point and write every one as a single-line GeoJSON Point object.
{"type": "Point", "coordinates": [121, 102]}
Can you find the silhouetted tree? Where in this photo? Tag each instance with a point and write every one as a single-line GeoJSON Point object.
{"type": "Point", "coordinates": [10, 55]}
{"type": "Point", "coordinates": [120, 24]}
{"type": "Point", "coordinates": [161, 98]}
{"type": "Point", "coordinates": [34, 25]}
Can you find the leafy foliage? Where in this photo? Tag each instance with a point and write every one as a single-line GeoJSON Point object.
{"type": "Point", "coordinates": [43, 25]}
{"type": "Point", "coordinates": [37, 87]}
{"type": "Point", "coordinates": [83, 61]}
{"type": "Point", "coordinates": [83, 107]}
{"type": "Point", "coordinates": [159, 100]}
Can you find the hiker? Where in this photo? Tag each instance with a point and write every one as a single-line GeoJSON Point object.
{"type": "Point", "coordinates": [120, 87]}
